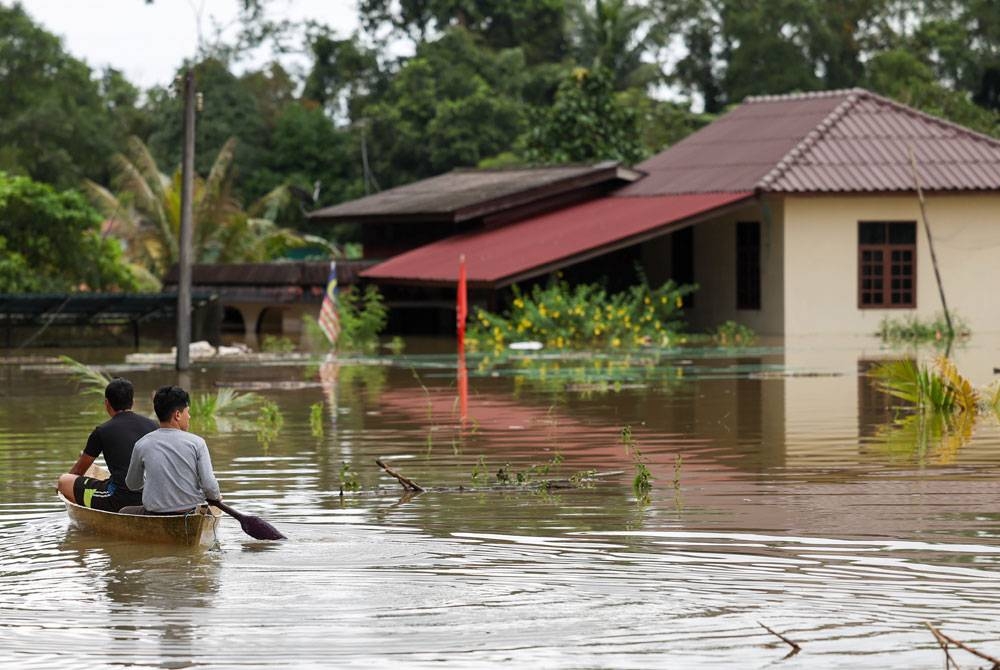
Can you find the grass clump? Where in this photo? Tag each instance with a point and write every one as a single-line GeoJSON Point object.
{"type": "Point", "coordinates": [348, 478]}
{"type": "Point", "coordinates": [911, 329]}
{"type": "Point", "coordinates": [733, 334]}
{"type": "Point", "coordinates": [642, 483]}
{"type": "Point", "coordinates": [269, 423]}
{"type": "Point", "coordinates": [316, 419]}
{"type": "Point", "coordinates": [584, 316]}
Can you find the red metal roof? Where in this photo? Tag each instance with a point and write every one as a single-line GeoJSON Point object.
{"type": "Point", "coordinates": [534, 246]}
{"type": "Point", "coordinates": [831, 141]}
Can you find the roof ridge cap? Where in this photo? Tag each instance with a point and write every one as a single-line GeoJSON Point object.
{"type": "Point", "coordinates": [805, 95]}
{"type": "Point", "coordinates": [913, 111]}
{"type": "Point", "coordinates": [811, 138]}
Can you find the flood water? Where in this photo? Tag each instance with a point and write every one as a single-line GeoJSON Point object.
{"type": "Point", "coordinates": [780, 497]}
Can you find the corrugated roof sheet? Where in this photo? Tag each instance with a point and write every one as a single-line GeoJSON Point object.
{"type": "Point", "coordinates": [737, 150]}
{"type": "Point", "coordinates": [832, 141]}
{"type": "Point", "coordinates": [543, 243]}
{"type": "Point", "coordinates": [462, 193]}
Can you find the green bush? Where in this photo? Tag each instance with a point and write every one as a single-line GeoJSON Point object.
{"type": "Point", "coordinates": [363, 316]}
{"type": "Point", "coordinates": [912, 328]}
{"type": "Point", "coordinates": [584, 317]}
{"type": "Point", "coordinates": [733, 334]}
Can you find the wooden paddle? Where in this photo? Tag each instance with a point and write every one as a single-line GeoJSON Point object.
{"type": "Point", "coordinates": [253, 526]}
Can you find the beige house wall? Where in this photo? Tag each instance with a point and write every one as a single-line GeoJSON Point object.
{"type": "Point", "coordinates": [821, 260]}
{"type": "Point", "coordinates": [715, 270]}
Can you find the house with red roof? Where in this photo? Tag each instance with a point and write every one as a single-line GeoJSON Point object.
{"type": "Point", "coordinates": [795, 214]}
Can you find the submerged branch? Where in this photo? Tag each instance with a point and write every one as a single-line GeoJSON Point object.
{"type": "Point", "coordinates": [795, 647]}
{"type": "Point", "coordinates": [945, 640]}
{"type": "Point", "coordinates": [542, 484]}
{"type": "Point", "coordinates": [406, 483]}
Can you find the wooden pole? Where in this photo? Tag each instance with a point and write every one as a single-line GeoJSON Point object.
{"type": "Point", "coordinates": [187, 214]}
{"type": "Point", "coordinates": [930, 244]}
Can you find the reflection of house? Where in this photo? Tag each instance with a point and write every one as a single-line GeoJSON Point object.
{"type": "Point", "coordinates": [795, 214]}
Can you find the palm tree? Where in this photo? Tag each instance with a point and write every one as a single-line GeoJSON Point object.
{"type": "Point", "coordinates": [145, 214]}
{"type": "Point", "coordinates": [614, 35]}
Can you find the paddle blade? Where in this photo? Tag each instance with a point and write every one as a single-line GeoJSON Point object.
{"type": "Point", "coordinates": [259, 529]}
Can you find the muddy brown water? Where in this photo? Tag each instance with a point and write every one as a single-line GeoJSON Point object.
{"type": "Point", "coordinates": [794, 506]}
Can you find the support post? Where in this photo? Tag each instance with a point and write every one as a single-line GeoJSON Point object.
{"type": "Point", "coordinates": [187, 213]}
{"type": "Point", "coordinates": [930, 246]}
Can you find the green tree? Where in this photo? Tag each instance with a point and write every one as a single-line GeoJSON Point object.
{"type": "Point", "coordinates": [230, 109]}
{"type": "Point", "coordinates": [617, 35]}
{"type": "Point", "coordinates": [901, 75]}
{"type": "Point", "coordinates": [51, 241]}
{"type": "Point", "coordinates": [453, 104]}
{"type": "Point", "coordinates": [54, 124]}
{"type": "Point", "coordinates": [534, 26]}
{"type": "Point", "coordinates": [585, 123]}
{"type": "Point", "coordinates": [144, 213]}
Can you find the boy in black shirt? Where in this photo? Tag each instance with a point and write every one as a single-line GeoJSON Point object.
{"type": "Point", "coordinates": [115, 439]}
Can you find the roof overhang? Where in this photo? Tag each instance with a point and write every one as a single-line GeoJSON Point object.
{"type": "Point", "coordinates": [444, 199]}
{"type": "Point", "coordinates": [533, 247]}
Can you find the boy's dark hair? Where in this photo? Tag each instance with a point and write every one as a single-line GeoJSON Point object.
{"type": "Point", "coordinates": [169, 399]}
{"type": "Point", "coordinates": [119, 394]}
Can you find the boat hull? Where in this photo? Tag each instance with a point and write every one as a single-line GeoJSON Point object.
{"type": "Point", "coordinates": [197, 528]}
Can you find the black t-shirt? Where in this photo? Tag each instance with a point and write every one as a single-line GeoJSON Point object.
{"type": "Point", "coordinates": [115, 439]}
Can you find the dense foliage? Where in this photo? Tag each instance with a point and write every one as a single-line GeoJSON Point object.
{"type": "Point", "coordinates": [488, 83]}
{"type": "Point", "coordinates": [584, 316]}
{"type": "Point", "coordinates": [51, 241]}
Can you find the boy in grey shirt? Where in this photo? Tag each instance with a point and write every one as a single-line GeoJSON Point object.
{"type": "Point", "coordinates": [170, 465]}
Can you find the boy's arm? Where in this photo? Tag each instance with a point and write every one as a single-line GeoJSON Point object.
{"type": "Point", "coordinates": [135, 478]}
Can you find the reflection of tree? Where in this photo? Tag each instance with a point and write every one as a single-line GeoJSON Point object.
{"type": "Point", "coordinates": [583, 375]}
{"type": "Point", "coordinates": [924, 436]}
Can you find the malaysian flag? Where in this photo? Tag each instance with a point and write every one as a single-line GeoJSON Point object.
{"type": "Point", "coordinates": [329, 320]}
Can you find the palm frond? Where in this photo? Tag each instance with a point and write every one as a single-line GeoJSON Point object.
{"type": "Point", "coordinates": [146, 165]}
{"type": "Point", "coordinates": [965, 398]}
{"type": "Point", "coordinates": [91, 379]}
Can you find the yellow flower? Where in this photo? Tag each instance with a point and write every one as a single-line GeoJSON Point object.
{"type": "Point", "coordinates": [646, 300]}
{"type": "Point", "coordinates": [519, 303]}
{"type": "Point", "coordinates": [616, 342]}
{"type": "Point", "coordinates": [541, 310]}
{"type": "Point", "coordinates": [680, 302]}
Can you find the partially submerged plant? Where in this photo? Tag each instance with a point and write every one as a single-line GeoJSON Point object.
{"type": "Point", "coordinates": [642, 483]}
{"type": "Point", "coordinates": [912, 329]}
{"type": "Point", "coordinates": [348, 478]}
{"type": "Point", "coordinates": [733, 334]}
{"type": "Point", "coordinates": [940, 388]}
{"type": "Point", "coordinates": [92, 380]}
{"type": "Point", "coordinates": [269, 423]}
{"type": "Point", "coordinates": [944, 406]}
{"type": "Point", "coordinates": [316, 419]}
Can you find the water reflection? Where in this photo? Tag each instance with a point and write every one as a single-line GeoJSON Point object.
{"type": "Point", "coordinates": [800, 508]}
{"type": "Point", "coordinates": [149, 593]}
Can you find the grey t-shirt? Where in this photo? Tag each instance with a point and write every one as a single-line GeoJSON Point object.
{"type": "Point", "coordinates": [173, 469]}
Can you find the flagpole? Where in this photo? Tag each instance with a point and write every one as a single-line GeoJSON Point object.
{"type": "Point", "coordinates": [462, 304]}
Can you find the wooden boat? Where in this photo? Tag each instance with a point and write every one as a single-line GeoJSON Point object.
{"type": "Point", "coordinates": [196, 528]}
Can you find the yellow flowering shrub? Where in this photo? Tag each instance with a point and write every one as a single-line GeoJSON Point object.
{"type": "Point", "coordinates": [584, 316]}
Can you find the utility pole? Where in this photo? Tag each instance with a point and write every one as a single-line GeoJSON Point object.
{"type": "Point", "coordinates": [187, 214]}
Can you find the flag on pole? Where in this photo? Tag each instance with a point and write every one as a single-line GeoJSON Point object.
{"type": "Point", "coordinates": [329, 320]}
{"type": "Point", "coordinates": [462, 306]}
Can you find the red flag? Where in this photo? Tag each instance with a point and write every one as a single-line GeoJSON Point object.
{"type": "Point", "coordinates": [462, 308]}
